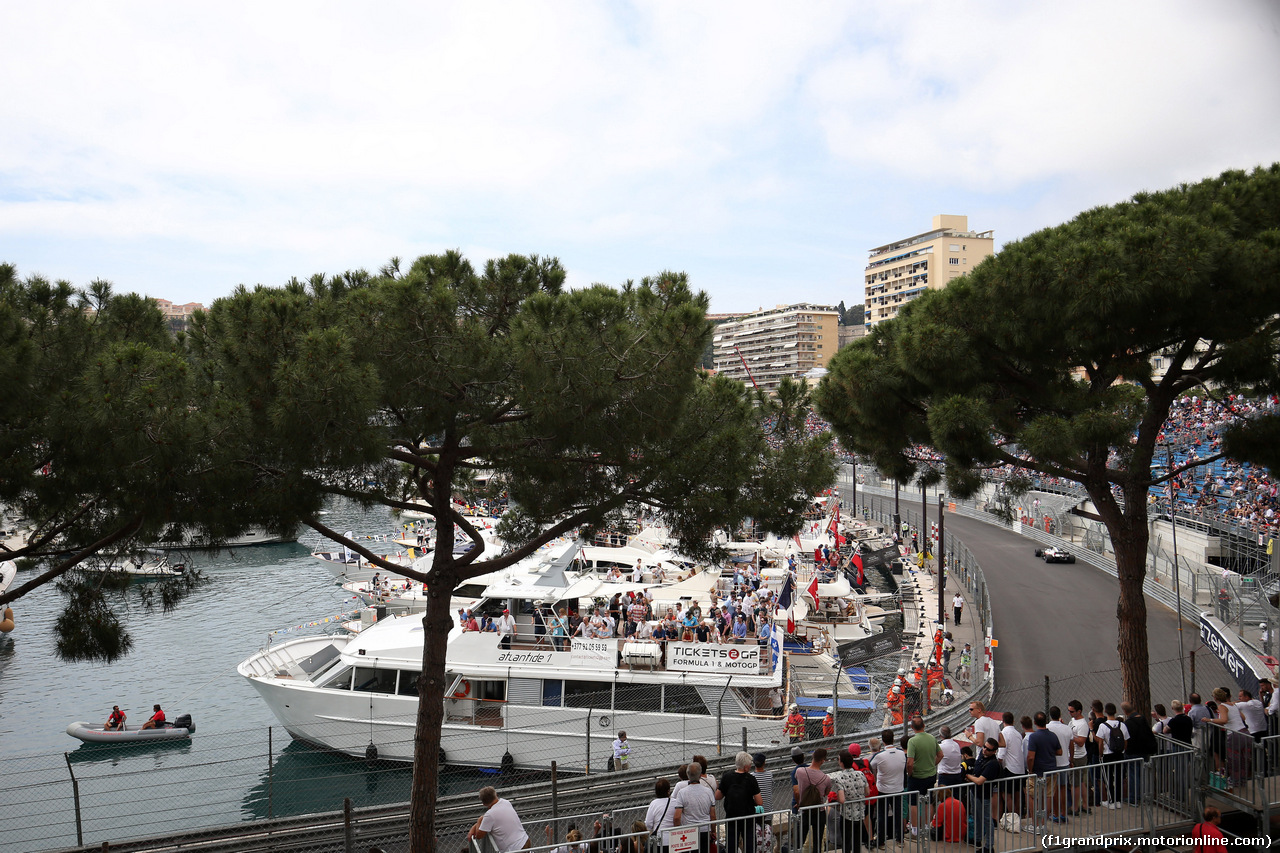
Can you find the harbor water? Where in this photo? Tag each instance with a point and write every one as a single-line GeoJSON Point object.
{"type": "Point", "coordinates": [239, 765]}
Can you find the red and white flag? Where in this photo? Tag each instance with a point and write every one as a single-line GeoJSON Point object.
{"type": "Point", "coordinates": [812, 590]}
{"type": "Point", "coordinates": [791, 623]}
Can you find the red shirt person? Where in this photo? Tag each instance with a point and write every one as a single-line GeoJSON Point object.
{"type": "Point", "coordinates": [157, 719]}
{"type": "Point", "coordinates": [115, 723]}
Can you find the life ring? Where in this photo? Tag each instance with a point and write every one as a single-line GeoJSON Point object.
{"type": "Point", "coordinates": [463, 690]}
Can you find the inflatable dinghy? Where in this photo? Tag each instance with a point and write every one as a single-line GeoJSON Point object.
{"type": "Point", "coordinates": [182, 727]}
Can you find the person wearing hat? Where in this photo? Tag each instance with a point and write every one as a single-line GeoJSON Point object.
{"type": "Point", "coordinates": [893, 705]}
{"type": "Point", "coordinates": [506, 626]}
{"type": "Point", "coordinates": [794, 728]}
{"type": "Point", "coordinates": [829, 722]}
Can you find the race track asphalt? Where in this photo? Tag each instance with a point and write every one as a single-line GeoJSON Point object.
{"type": "Point", "coordinates": [1059, 620]}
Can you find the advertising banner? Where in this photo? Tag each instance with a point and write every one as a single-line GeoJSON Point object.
{"type": "Point", "coordinates": [1228, 648]}
{"type": "Point", "coordinates": [706, 657]}
{"type": "Point", "coordinates": [593, 653]}
{"type": "Point", "coordinates": [858, 652]}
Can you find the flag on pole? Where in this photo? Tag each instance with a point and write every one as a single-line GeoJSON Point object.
{"type": "Point", "coordinates": [834, 527]}
{"type": "Point", "coordinates": [856, 559]}
{"type": "Point", "coordinates": [812, 590]}
{"type": "Point", "coordinates": [785, 596]}
{"type": "Point", "coordinates": [791, 623]}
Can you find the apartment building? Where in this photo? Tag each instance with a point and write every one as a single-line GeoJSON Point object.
{"type": "Point", "coordinates": [900, 271]}
{"type": "Point", "coordinates": [177, 316]}
{"type": "Point", "coordinates": [789, 340]}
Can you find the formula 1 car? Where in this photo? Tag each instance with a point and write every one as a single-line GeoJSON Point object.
{"type": "Point", "coordinates": [1055, 555]}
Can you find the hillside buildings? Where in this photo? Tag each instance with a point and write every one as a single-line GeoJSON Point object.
{"type": "Point", "coordinates": [177, 316]}
{"type": "Point", "coordinates": [900, 271]}
{"type": "Point", "coordinates": [789, 340]}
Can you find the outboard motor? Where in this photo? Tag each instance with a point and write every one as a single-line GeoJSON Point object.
{"type": "Point", "coordinates": [183, 721]}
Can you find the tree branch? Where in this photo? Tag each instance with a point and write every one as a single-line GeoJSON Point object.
{"type": "Point", "coordinates": [75, 559]}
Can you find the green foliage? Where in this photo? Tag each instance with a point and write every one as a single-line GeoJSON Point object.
{"type": "Point", "coordinates": [580, 404]}
{"type": "Point", "coordinates": [1047, 346]}
{"type": "Point", "coordinates": [1041, 357]}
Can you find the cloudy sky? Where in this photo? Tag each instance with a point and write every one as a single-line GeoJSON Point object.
{"type": "Point", "coordinates": [179, 150]}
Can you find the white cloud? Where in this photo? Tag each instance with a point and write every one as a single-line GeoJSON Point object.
{"type": "Point", "coordinates": [762, 148]}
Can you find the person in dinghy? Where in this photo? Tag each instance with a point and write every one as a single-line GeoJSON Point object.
{"type": "Point", "coordinates": [157, 719]}
{"type": "Point", "coordinates": [115, 722]}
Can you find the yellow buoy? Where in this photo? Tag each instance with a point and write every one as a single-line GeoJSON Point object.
{"type": "Point", "coordinates": [6, 624]}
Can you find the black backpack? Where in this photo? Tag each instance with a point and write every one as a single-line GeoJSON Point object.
{"type": "Point", "coordinates": [1115, 737]}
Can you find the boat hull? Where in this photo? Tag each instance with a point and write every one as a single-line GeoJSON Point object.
{"type": "Point", "coordinates": [577, 739]}
{"type": "Point", "coordinates": [93, 733]}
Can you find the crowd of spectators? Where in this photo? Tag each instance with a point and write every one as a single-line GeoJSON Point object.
{"type": "Point", "coordinates": [1001, 771]}
{"type": "Point", "coordinates": [1222, 490]}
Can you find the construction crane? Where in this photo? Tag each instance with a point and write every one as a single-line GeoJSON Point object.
{"type": "Point", "coordinates": [747, 369]}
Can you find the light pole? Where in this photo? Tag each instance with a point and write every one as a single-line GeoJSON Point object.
{"type": "Point", "coordinates": [924, 520]}
{"type": "Point", "coordinates": [1177, 575]}
{"type": "Point", "coordinates": [897, 517]}
{"type": "Point", "coordinates": [942, 567]}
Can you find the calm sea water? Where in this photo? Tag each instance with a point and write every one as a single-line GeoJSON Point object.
{"type": "Point", "coordinates": [236, 767]}
{"type": "Point", "coordinates": [240, 765]}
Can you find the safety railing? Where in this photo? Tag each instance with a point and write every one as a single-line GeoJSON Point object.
{"type": "Point", "coordinates": [1064, 808]}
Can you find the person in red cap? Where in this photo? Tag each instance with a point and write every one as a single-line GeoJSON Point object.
{"type": "Point", "coordinates": [506, 629]}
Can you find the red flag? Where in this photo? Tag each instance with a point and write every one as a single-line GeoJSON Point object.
{"type": "Point", "coordinates": [791, 623]}
{"type": "Point", "coordinates": [812, 590]}
{"type": "Point", "coordinates": [856, 559]}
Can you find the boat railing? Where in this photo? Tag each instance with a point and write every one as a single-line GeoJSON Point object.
{"type": "Point", "coordinates": [276, 659]}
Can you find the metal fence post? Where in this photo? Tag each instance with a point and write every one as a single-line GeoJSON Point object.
{"type": "Point", "coordinates": [75, 794]}
{"type": "Point", "coordinates": [1047, 700]}
{"type": "Point", "coordinates": [348, 831]}
{"type": "Point", "coordinates": [555, 792]}
{"type": "Point", "coordinates": [270, 771]}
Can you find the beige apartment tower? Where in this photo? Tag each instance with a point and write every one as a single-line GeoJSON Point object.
{"type": "Point", "coordinates": [789, 340]}
{"type": "Point", "coordinates": [900, 271]}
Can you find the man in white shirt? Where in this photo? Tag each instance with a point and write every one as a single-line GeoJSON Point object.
{"type": "Point", "coordinates": [890, 766]}
{"type": "Point", "coordinates": [1255, 716]}
{"type": "Point", "coordinates": [1111, 757]}
{"type": "Point", "coordinates": [1079, 754]}
{"type": "Point", "coordinates": [1013, 756]}
{"type": "Point", "coordinates": [507, 629]}
{"type": "Point", "coordinates": [695, 805]}
{"type": "Point", "coordinates": [636, 573]}
{"type": "Point", "coordinates": [499, 823]}
{"type": "Point", "coordinates": [957, 607]}
{"type": "Point", "coordinates": [949, 767]}
{"type": "Point", "coordinates": [983, 726]}
{"type": "Point", "coordinates": [1063, 732]}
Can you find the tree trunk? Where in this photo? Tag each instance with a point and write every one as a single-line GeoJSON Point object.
{"type": "Point", "coordinates": [1130, 546]}
{"type": "Point", "coordinates": [1129, 536]}
{"type": "Point", "coordinates": [436, 624]}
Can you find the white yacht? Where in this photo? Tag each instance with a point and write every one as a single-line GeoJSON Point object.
{"type": "Point", "coordinates": [535, 701]}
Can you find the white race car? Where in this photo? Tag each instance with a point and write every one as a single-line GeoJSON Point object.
{"type": "Point", "coordinates": [1055, 555]}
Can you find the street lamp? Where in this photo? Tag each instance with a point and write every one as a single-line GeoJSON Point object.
{"type": "Point", "coordinates": [1177, 575]}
